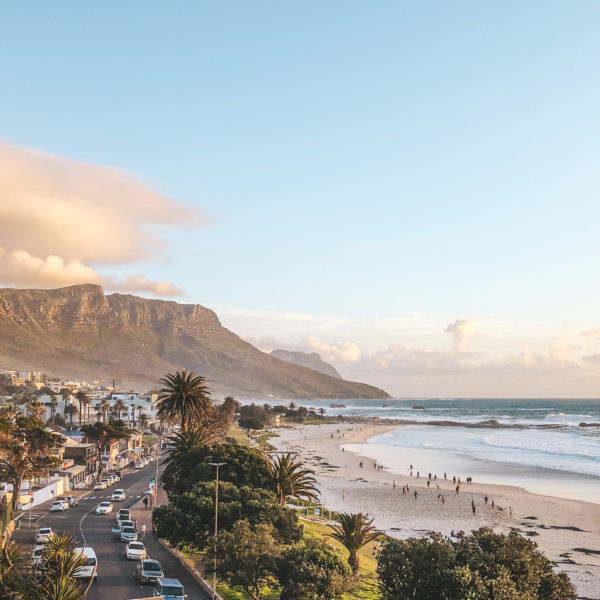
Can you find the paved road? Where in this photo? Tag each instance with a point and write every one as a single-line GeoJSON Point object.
{"type": "Point", "coordinates": [115, 573]}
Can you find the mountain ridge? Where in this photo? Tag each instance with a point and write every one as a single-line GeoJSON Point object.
{"type": "Point", "coordinates": [78, 331]}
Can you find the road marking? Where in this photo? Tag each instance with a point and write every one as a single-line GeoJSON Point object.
{"type": "Point", "coordinates": [139, 496]}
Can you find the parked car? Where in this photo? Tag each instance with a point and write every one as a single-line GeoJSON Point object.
{"type": "Point", "coordinates": [37, 554]}
{"type": "Point", "coordinates": [116, 531]}
{"type": "Point", "coordinates": [100, 485]}
{"type": "Point", "coordinates": [169, 589]}
{"type": "Point", "coordinates": [139, 464]}
{"type": "Point", "coordinates": [135, 551]}
{"type": "Point", "coordinates": [118, 495]}
{"type": "Point", "coordinates": [129, 523]}
{"type": "Point", "coordinates": [104, 508]}
{"type": "Point", "coordinates": [72, 500]}
{"type": "Point", "coordinates": [59, 505]}
{"type": "Point", "coordinates": [128, 534]}
{"type": "Point", "coordinates": [90, 569]}
{"type": "Point", "coordinates": [107, 482]}
{"type": "Point", "coordinates": [43, 535]}
{"type": "Point", "coordinates": [124, 513]}
{"type": "Point", "coordinates": [148, 571]}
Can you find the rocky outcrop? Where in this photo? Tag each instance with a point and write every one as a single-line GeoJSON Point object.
{"type": "Point", "coordinates": [312, 360]}
{"type": "Point", "coordinates": [78, 331]}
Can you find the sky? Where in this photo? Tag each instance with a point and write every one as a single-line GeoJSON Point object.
{"type": "Point", "coordinates": [409, 189]}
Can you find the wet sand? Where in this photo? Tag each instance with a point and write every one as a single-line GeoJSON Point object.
{"type": "Point", "coordinates": [564, 529]}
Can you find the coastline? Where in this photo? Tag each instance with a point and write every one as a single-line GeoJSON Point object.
{"type": "Point", "coordinates": [563, 528]}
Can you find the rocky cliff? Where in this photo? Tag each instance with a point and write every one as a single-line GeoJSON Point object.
{"type": "Point", "coordinates": [311, 360]}
{"type": "Point", "coordinates": [79, 331]}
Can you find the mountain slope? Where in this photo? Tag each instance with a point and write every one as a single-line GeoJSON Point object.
{"type": "Point", "coordinates": [78, 331]}
{"type": "Point", "coordinates": [311, 360]}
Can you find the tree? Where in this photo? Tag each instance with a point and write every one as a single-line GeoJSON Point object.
{"type": "Point", "coordinates": [104, 407]}
{"type": "Point", "coordinates": [81, 397]}
{"type": "Point", "coordinates": [53, 405]}
{"type": "Point", "coordinates": [100, 433]}
{"type": "Point", "coordinates": [354, 531]}
{"type": "Point", "coordinates": [309, 571]}
{"type": "Point", "coordinates": [65, 392]}
{"type": "Point", "coordinates": [290, 478]}
{"type": "Point", "coordinates": [143, 421]}
{"type": "Point", "coordinates": [188, 518]}
{"type": "Point", "coordinates": [24, 445]}
{"type": "Point", "coordinates": [188, 464]}
{"type": "Point", "coordinates": [118, 409]}
{"type": "Point", "coordinates": [248, 423]}
{"type": "Point", "coordinates": [184, 399]}
{"type": "Point", "coordinates": [247, 557]}
{"type": "Point", "coordinates": [13, 565]}
{"type": "Point", "coordinates": [71, 411]}
{"type": "Point", "coordinates": [36, 409]}
{"type": "Point", "coordinates": [481, 566]}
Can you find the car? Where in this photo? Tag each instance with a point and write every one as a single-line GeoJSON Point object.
{"type": "Point", "coordinates": [120, 475]}
{"type": "Point", "coordinates": [104, 508]}
{"type": "Point", "coordinates": [116, 531]}
{"type": "Point", "coordinates": [148, 571]}
{"type": "Point", "coordinates": [169, 589]}
{"type": "Point", "coordinates": [37, 554]}
{"type": "Point", "coordinates": [100, 485]}
{"type": "Point", "coordinates": [135, 551]}
{"type": "Point", "coordinates": [90, 568]}
{"type": "Point", "coordinates": [129, 523]}
{"type": "Point", "coordinates": [72, 500]}
{"type": "Point", "coordinates": [59, 505]}
{"type": "Point", "coordinates": [128, 534]}
{"type": "Point", "coordinates": [139, 464]}
{"type": "Point", "coordinates": [118, 495]}
{"type": "Point", "coordinates": [107, 482]}
{"type": "Point", "coordinates": [43, 535]}
{"type": "Point", "coordinates": [123, 513]}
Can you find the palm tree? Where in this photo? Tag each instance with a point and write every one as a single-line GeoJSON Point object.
{"type": "Point", "coordinates": [143, 421]}
{"type": "Point", "coordinates": [354, 532]}
{"type": "Point", "coordinates": [53, 405]}
{"type": "Point", "coordinates": [186, 441]}
{"type": "Point", "coordinates": [184, 399]}
{"type": "Point", "coordinates": [100, 433]}
{"type": "Point", "coordinates": [70, 410]}
{"type": "Point", "coordinates": [105, 406]}
{"type": "Point", "coordinates": [81, 398]}
{"type": "Point", "coordinates": [290, 478]}
{"type": "Point", "coordinates": [118, 408]}
{"type": "Point", "coordinates": [13, 563]}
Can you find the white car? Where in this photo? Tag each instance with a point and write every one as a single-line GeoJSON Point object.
{"type": "Point", "coordinates": [135, 551]}
{"type": "Point", "coordinates": [100, 486]}
{"type": "Point", "coordinates": [59, 505]}
{"type": "Point", "coordinates": [139, 464]}
{"type": "Point", "coordinates": [37, 554]}
{"type": "Point", "coordinates": [118, 495]}
{"type": "Point", "coordinates": [104, 508]}
{"type": "Point", "coordinates": [90, 568]}
{"type": "Point", "coordinates": [43, 535]}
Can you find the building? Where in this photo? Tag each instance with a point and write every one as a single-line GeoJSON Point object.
{"type": "Point", "coordinates": [83, 454]}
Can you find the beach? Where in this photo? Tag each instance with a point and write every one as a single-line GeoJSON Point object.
{"type": "Point", "coordinates": [566, 530]}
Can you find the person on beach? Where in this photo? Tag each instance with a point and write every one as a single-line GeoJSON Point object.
{"type": "Point", "coordinates": [493, 505]}
{"type": "Point", "coordinates": [429, 476]}
{"type": "Point", "coordinates": [510, 511]}
{"type": "Point", "coordinates": [415, 494]}
{"type": "Point", "coordinates": [445, 475]}
{"type": "Point", "coordinates": [403, 491]}
{"type": "Point", "coordinates": [443, 499]}
{"type": "Point", "coordinates": [439, 496]}
{"type": "Point", "coordinates": [457, 488]}
{"type": "Point", "coordinates": [360, 464]}
{"type": "Point", "coordinates": [343, 495]}
{"type": "Point", "coordinates": [485, 498]}
{"type": "Point", "coordinates": [473, 506]}
{"type": "Point", "coordinates": [417, 474]}
{"type": "Point", "coordinates": [394, 484]}
{"type": "Point", "coordinates": [428, 482]}
{"type": "Point", "coordinates": [454, 479]}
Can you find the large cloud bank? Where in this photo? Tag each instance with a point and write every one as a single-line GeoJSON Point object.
{"type": "Point", "coordinates": [61, 219]}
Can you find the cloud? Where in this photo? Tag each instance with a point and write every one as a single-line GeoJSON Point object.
{"type": "Point", "coordinates": [61, 219]}
{"type": "Point", "coordinates": [346, 352]}
{"type": "Point", "coordinates": [462, 331]}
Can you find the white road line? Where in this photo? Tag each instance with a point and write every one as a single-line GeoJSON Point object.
{"type": "Point", "coordinates": [139, 496]}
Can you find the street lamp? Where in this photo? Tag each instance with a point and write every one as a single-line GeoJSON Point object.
{"type": "Point", "coordinates": [216, 521]}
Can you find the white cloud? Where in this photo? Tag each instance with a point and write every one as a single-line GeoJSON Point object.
{"type": "Point", "coordinates": [345, 352]}
{"type": "Point", "coordinates": [61, 219]}
{"type": "Point", "coordinates": [462, 331]}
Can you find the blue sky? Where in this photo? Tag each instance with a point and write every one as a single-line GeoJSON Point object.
{"type": "Point", "coordinates": [355, 161]}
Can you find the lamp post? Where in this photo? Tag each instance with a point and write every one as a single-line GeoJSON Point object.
{"type": "Point", "coordinates": [216, 522]}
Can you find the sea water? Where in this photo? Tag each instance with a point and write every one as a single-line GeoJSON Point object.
{"type": "Point", "coordinates": [549, 454]}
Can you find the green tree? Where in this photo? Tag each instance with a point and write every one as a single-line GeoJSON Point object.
{"type": "Point", "coordinates": [82, 399]}
{"type": "Point", "coordinates": [309, 571]}
{"type": "Point", "coordinates": [71, 411]}
{"type": "Point", "coordinates": [290, 478]}
{"type": "Point", "coordinates": [184, 399]}
{"type": "Point", "coordinates": [248, 423]}
{"type": "Point", "coordinates": [100, 433]}
{"type": "Point", "coordinates": [53, 405]}
{"type": "Point", "coordinates": [13, 564]}
{"type": "Point", "coordinates": [36, 409]}
{"type": "Point", "coordinates": [188, 464]}
{"type": "Point", "coordinates": [247, 557]}
{"type": "Point", "coordinates": [481, 566]}
{"type": "Point", "coordinates": [188, 518]}
{"type": "Point", "coordinates": [118, 409]}
{"type": "Point", "coordinates": [353, 532]}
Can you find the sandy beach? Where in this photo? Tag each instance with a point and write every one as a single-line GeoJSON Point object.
{"type": "Point", "coordinates": [568, 531]}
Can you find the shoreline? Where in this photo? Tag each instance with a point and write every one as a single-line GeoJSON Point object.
{"type": "Point", "coordinates": [563, 528]}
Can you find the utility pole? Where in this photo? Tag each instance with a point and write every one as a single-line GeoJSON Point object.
{"type": "Point", "coordinates": [216, 528]}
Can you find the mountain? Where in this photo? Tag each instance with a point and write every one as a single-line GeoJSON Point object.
{"type": "Point", "coordinates": [311, 360]}
{"type": "Point", "coordinates": [78, 331]}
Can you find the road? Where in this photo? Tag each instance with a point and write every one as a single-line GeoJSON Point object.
{"type": "Point", "coordinates": [115, 573]}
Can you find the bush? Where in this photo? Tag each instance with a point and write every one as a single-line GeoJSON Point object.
{"type": "Point", "coordinates": [309, 571]}
{"type": "Point", "coordinates": [480, 566]}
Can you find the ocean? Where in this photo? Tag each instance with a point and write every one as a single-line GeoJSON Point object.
{"type": "Point", "coordinates": [550, 453]}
